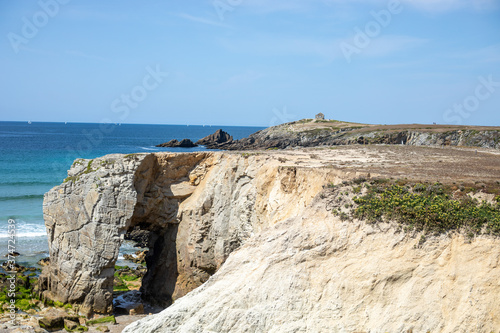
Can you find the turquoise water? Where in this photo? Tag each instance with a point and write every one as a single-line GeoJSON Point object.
{"type": "Point", "coordinates": [35, 157]}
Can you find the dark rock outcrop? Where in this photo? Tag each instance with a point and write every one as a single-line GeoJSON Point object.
{"type": "Point", "coordinates": [306, 133]}
{"type": "Point", "coordinates": [214, 140]}
{"type": "Point", "coordinates": [139, 236]}
{"type": "Point", "coordinates": [185, 143]}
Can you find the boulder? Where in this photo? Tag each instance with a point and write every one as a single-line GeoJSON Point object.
{"type": "Point", "coordinates": [44, 261]}
{"type": "Point", "coordinates": [137, 310]}
{"type": "Point", "coordinates": [139, 236]}
{"type": "Point", "coordinates": [52, 323]}
{"type": "Point", "coordinates": [70, 325]}
{"type": "Point", "coordinates": [185, 143]}
{"type": "Point", "coordinates": [215, 139]}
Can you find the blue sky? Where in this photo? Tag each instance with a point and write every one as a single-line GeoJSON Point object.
{"type": "Point", "coordinates": [250, 62]}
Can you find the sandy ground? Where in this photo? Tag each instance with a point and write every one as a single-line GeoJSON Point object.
{"type": "Point", "coordinates": [121, 321]}
{"type": "Point", "coordinates": [447, 165]}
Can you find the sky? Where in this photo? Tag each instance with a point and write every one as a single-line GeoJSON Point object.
{"type": "Point", "coordinates": [250, 62]}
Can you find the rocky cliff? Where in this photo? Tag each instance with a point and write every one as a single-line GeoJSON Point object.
{"type": "Point", "coordinates": [309, 133]}
{"type": "Point", "coordinates": [199, 206]}
{"type": "Point", "coordinates": [247, 242]}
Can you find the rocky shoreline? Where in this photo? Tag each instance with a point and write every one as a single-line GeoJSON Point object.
{"type": "Point", "coordinates": [32, 312]}
{"type": "Point", "coordinates": [318, 133]}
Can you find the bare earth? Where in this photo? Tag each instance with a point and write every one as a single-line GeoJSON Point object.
{"type": "Point", "coordinates": [447, 165]}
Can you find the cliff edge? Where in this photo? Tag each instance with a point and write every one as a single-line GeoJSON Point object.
{"type": "Point", "coordinates": [263, 241]}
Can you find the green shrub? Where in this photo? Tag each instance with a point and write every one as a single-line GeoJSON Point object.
{"type": "Point", "coordinates": [430, 210]}
{"type": "Point", "coordinates": [129, 277]}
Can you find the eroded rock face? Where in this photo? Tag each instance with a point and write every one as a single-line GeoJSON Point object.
{"type": "Point", "coordinates": [197, 208]}
{"type": "Point", "coordinates": [258, 240]}
{"type": "Point", "coordinates": [85, 218]}
{"type": "Point", "coordinates": [315, 273]}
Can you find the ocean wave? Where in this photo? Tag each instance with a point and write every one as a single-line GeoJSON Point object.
{"type": "Point", "coordinates": [145, 148]}
{"type": "Point", "coordinates": [22, 197]}
{"type": "Point", "coordinates": [30, 183]}
{"type": "Point", "coordinates": [25, 234]}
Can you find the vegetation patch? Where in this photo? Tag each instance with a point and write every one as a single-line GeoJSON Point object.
{"type": "Point", "coordinates": [71, 179]}
{"type": "Point", "coordinates": [25, 299]}
{"type": "Point", "coordinates": [327, 121]}
{"type": "Point", "coordinates": [78, 162]}
{"type": "Point", "coordinates": [109, 319]}
{"type": "Point", "coordinates": [130, 156]}
{"type": "Point", "coordinates": [120, 286]}
{"type": "Point", "coordinates": [430, 208]}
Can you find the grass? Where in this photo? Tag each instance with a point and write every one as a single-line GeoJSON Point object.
{"type": "Point", "coordinates": [87, 170]}
{"type": "Point", "coordinates": [78, 162]}
{"type": "Point", "coordinates": [23, 296]}
{"type": "Point", "coordinates": [105, 163]}
{"type": "Point", "coordinates": [103, 320]}
{"type": "Point", "coordinates": [123, 275]}
{"type": "Point", "coordinates": [71, 179]}
{"type": "Point", "coordinates": [327, 121]}
{"type": "Point", "coordinates": [120, 286]}
{"type": "Point", "coordinates": [427, 207]}
{"type": "Point", "coordinates": [319, 131]}
{"type": "Point", "coordinates": [130, 156]}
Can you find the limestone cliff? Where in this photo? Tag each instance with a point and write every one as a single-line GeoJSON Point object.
{"type": "Point", "coordinates": [315, 273]}
{"type": "Point", "coordinates": [247, 242]}
{"type": "Point", "coordinates": [200, 207]}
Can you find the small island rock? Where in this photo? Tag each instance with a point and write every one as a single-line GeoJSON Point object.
{"type": "Point", "coordinates": [215, 139]}
{"type": "Point", "coordinates": [186, 143]}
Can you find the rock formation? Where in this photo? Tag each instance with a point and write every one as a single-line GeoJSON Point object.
{"type": "Point", "coordinates": [315, 273]}
{"type": "Point", "coordinates": [184, 143]}
{"type": "Point", "coordinates": [86, 218]}
{"type": "Point", "coordinates": [213, 141]}
{"type": "Point", "coordinates": [248, 243]}
{"type": "Point", "coordinates": [308, 133]}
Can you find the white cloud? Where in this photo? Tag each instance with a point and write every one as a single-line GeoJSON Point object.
{"type": "Point", "coordinates": [389, 44]}
{"type": "Point", "coordinates": [202, 20]}
{"type": "Point", "coordinates": [323, 49]}
{"type": "Point", "coordinates": [487, 54]}
{"type": "Point", "coordinates": [423, 5]}
{"type": "Point", "coordinates": [244, 78]}
{"type": "Point", "coordinates": [84, 55]}
{"type": "Point", "coordinates": [269, 45]}
{"type": "Point", "coordinates": [449, 5]}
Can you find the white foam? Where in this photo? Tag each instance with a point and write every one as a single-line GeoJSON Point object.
{"type": "Point", "coordinates": [148, 148]}
{"type": "Point", "coordinates": [24, 230]}
{"type": "Point", "coordinates": [28, 234]}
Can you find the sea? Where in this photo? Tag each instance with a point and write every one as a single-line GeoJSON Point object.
{"type": "Point", "coordinates": [35, 156]}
